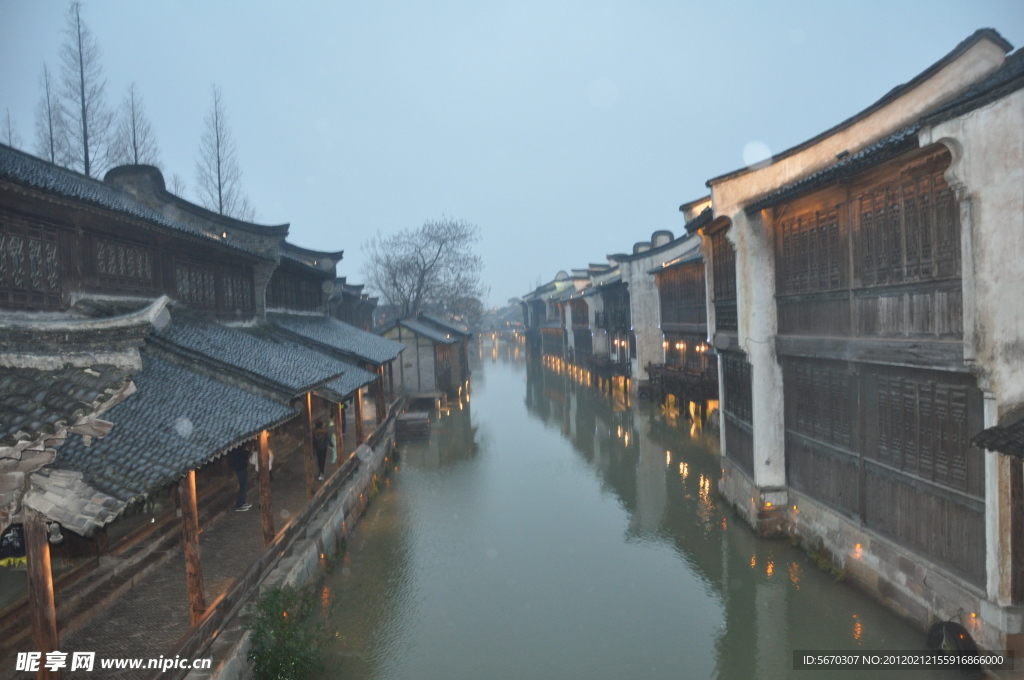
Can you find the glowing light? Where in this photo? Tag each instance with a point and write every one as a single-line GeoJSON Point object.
{"type": "Point", "coordinates": [684, 471]}
{"type": "Point", "coordinates": [858, 630]}
{"type": "Point", "coordinates": [753, 561]}
{"type": "Point", "coordinates": [794, 575]}
{"type": "Point", "coordinates": [668, 459]}
{"type": "Point", "coordinates": [770, 569]}
{"type": "Point", "coordinates": [768, 504]}
{"type": "Point", "coordinates": [857, 551]}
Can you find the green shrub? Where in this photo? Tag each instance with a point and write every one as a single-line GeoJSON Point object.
{"type": "Point", "coordinates": [287, 635]}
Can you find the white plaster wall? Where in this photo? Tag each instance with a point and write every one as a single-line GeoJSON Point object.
{"type": "Point", "coordinates": [645, 306]}
{"type": "Point", "coordinates": [730, 194]}
{"type": "Point", "coordinates": [988, 174]}
{"type": "Point", "coordinates": [758, 326]}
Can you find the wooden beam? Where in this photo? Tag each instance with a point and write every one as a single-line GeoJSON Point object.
{"type": "Point", "coordinates": [359, 417]}
{"type": "Point", "coordinates": [190, 543]}
{"type": "Point", "coordinates": [310, 453]}
{"type": "Point", "coordinates": [40, 589]}
{"type": "Point", "coordinates": [263, 474]}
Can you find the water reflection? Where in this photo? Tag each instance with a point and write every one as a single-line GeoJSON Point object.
{"type": "Point", "coordinates": [554, 530]}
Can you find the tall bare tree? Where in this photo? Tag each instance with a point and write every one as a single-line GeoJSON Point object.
{"type": "Point", "coordinates": [89, 117]}
{"type": "Point", "coordinates": [51, 123]}
{"type": "Point", "coordinates": [176, 185]}
{"type": "Point", "coordinates": [433, 266]}
{"type": "Point", "coordinates": [218, 177]}
{"type": "Point", "coordinates": [10, 133]}
{"type": "Point", "coordinates": [133, 142]}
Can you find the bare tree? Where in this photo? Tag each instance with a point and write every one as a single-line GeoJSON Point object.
{"type": "Point", "coordinates": [218, 177]}
{"type": "Point", "coordinates": [134, 142]}
{"type": "Point", "coordinates": [11, 136]}
{"type": "Point", "coordinates": [89, 117]}
{"type": "Point", "coordinates": [432, 266]}
{"type": "Point", "coordinates": [51, 123]}
{"type": "Point", "coordinates": [177, 185]}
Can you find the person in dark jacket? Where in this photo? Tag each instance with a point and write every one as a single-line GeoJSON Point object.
{"type": "Point", "coordinates": [238, 459]}
{"type": "Point", "coordinates": [320, 443]}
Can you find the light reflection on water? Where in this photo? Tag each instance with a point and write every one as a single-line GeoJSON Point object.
{"type": "Point", "coordinates": [550, 531]}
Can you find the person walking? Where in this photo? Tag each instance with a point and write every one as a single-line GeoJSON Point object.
{"type": "Point", "coordinates": [239, 462]}
{"type": "Point", "coordinates": [320, 444]}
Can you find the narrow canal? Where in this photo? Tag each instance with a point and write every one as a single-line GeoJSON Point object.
{"type": "Point", "coordinates": [549, 531]}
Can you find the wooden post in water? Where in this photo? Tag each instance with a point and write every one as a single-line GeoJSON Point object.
{"type": "Point", "coordinates": [266, 513]}
{"type": "Point", "coordinates": [190, 543]}
{"type": "Point", "coordinates": [359, 417]}
{"type": "Point", "coordinates": [310, 452]}
{"type": "Point", "coordinates": [40, 589]}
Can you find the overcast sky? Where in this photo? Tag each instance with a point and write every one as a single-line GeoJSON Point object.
{"type": "Point", "coordinates": [565, 130]}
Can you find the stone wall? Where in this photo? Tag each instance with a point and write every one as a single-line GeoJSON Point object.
{"type": "Point", "coordinates": [303, 564]}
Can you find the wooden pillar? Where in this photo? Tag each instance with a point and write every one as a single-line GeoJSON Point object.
{"type": "Point", "coordinates": [190, 543]}
{"type": "Point", "coordinates": [339, 432]}
{"type": "Point", "coordinates": [379, 403]}
{"type": "Point", "coordinates": [266, 513]}
{"type": "Point", "coordinates": [359, 416]}
{"type": "Point", "coordinates": [40, 589]}
{"type": "Point", "coordinates": [391, 381]}
{"type": "Point", "coordinates": [310, 453]}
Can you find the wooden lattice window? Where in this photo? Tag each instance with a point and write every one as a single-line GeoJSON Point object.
{"type": "Point", "coordinates": [580, 313]}
{"type": "Point", "coordinates": [196, 285]}
{"type": "Point", "coordinates": [124, 266]}
{"type": "Point", "coordinates": [736, 372]}
{"type": "Point", "coordinates": [30, 275]}
{"type": "Point", "coordinates": [237, 295]}
{"type": "Point", "coordinates": [909, 230]}
{"type": "Point", "coordinates": [723, 262]}
{"type": "Point", "coordinates": [616, 308]}
{"type": "Point", "coordinates": [923, 430]}
{"type": "Point", "coordinates": [682, 294]}
{"type": "Point", "coordinates": [820, 402]}
{"type": "Point", "coordinates": [811, 253]}
{"type": "Point", "coordinates": [290, 291]}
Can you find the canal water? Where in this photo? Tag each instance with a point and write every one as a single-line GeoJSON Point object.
{"type": "Point", "coordinates": [547, 530]}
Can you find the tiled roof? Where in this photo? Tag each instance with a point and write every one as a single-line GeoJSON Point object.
{"type": "Point", "coordinates": [1008, 439]}
{"type": "Point", "coordinates": [692, 256]}
{"type": "Point", "coordinates": [428, 331]}
{"type": "Point", "coordinates": [882, 150]}
{"type": "Point", "coordinates": [447, 326]}
{"type": "Point", "coordinates": [706, 216]}
{"type": "Point", "coordinates": [351, 381]}
{"type": "Point", "coordinates": [338, 336]}
{"type": "Point", "coordinates": [34, 401]}
{"type": "Point", "coordinates": [1008, 78]}
{"type": "Point", "coordinates": [177, 421]}
{"type": "Point", "coordinates": [36, 173]}
{"type": "Point", "coordinates": [291, 367]}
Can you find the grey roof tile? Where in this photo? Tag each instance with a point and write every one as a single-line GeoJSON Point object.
{"type": "Point", "coordinates": [254, 350]}
{"type": "Point", "coordinates": [30, 171]}
{"type": "Point", "coordinates": [178, 420]}
{"type": "Point", "coordinates": [427, 331]}
{"type": "Point", "coordinates": [339, 336]}
{"type": "Point", "coordinates": [882, 150]}
{"type": "Point", "coordinates": [1005, 438]}
{"type": "Point", "coordinates": [34, 401]}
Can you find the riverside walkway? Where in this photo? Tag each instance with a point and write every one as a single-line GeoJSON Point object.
{"type": "Point", "coordinates": [149, 619]}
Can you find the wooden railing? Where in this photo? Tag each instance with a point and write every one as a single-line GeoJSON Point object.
{"type": "Point", "coordinates": [231, 603]}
